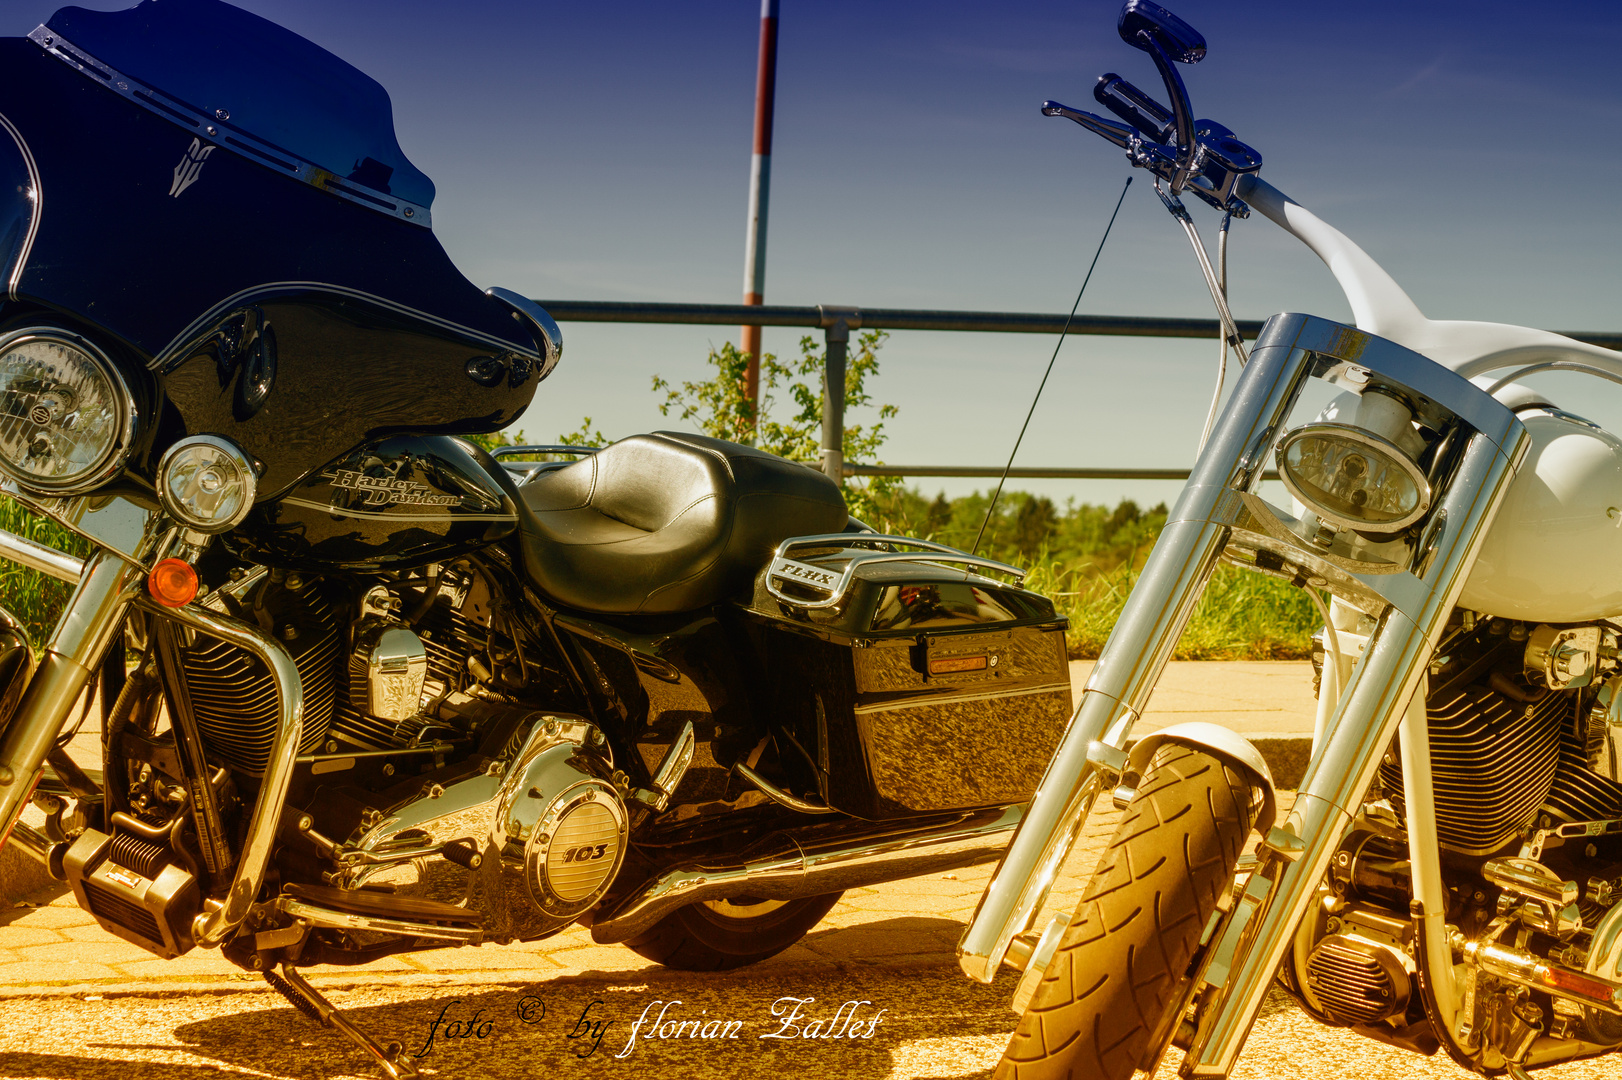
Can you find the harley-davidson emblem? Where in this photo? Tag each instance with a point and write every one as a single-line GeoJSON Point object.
{"type": "Point", "coordinates": [381, 489]}
{"type": "Point", "coordinates": [190, 167]}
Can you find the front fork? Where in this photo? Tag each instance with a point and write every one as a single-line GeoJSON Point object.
{"type": "Point", "coordinates": [93, 616]}
{"type": "Point", "coordinates": [1412, 602]}
{"type": "Point", "coordinates": [109, 585]}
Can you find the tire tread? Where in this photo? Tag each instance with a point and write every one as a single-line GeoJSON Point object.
{"type": "Point", "coordinates": [1139, 921]}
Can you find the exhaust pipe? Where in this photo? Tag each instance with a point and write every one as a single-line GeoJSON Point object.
{"type": "Point", "coordinates": [814, 859]}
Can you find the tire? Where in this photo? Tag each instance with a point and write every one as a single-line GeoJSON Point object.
{"type": "Point", "coordinates": [725, 934]}
{"type": "Point", "coordinates": [1122, 962]}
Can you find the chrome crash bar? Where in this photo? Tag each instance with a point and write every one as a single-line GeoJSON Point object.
{"type": "Point", "coordinates": [835, 584]}
{"type": "Point", "coordinates": [214, 926]}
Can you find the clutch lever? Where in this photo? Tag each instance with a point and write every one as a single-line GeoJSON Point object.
{"type": "Point", "coordinates": [1135, 107]}
{"type": "Point", "coordinates": [1119, 134]}
{"type": "Point", "coordinates": [1142, 153]}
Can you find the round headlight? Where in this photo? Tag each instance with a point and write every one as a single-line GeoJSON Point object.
{"type": "Point", "coordinates": [1353, 478]}
{"type": "Point", "coordinates": [66, 416]}
{"type": "Point", "coordinates": [206, 483]}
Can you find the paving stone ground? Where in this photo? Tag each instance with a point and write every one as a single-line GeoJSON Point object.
{"type": "Point", "coordinates": [49, 946]}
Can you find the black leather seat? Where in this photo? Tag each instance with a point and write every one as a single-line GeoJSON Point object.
{"type": "Point", "coordinates": [667, 522]}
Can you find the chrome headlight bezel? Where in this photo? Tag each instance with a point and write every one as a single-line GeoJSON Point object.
{"type": "Point", "coordinates": [227, 450]}
{"type": "Point", "coordinates": [1377, 447]}
{"type": "Point", "coordinates": [112, 458]}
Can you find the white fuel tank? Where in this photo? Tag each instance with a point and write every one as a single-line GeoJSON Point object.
{"type": "Point", "coordinates": [1554, 554]}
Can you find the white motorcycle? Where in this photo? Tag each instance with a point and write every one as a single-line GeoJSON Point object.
{"type": "Point", "coordinates": [1448, 877]}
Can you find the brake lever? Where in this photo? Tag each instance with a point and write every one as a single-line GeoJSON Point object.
{"type": "Point", "coordinates": [1119, 134]}
{"type": "Point", "coordinates": [1135, 107]}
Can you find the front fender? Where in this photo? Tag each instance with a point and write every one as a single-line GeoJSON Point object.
{"type": "Point", "coordinates": [1227, 746]}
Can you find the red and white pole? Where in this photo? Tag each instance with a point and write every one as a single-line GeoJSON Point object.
{"type": "Point", "coordinates": [760, 178]}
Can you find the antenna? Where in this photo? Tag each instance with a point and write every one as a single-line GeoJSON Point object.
{"type": "Point", "coordinates": [992, 509]}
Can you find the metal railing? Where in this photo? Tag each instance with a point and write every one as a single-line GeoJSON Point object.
{"type": "Point", "coordinates": [836, 324]}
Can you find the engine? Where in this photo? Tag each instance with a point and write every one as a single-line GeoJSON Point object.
{"type": "Point", "coordinates": [1526, 764]}
{"type": "Point", "coordinates": [382, 669]}
{"type": "Point", "coordinates": [385, 670]}
{"type": "Point", "coordinates": [233, 696]}
{"type": "Point", "coordinates": [366, 670]}
{"type": "Point", "coordinates": [1510, 739]}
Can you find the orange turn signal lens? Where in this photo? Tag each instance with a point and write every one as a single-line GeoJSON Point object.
{"type": "Point", "coordinates": [172, 582]}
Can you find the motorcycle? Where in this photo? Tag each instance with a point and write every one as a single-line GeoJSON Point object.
{"type": "Point", "coordinates": [365, 687]}
{"type": "Point", "coordinates": [1447, 878]}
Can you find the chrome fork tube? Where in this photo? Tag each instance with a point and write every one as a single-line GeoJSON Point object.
{"type": "Point", "coordinates": [1371, 707]}
{"type": "Point", "coordinates": [1155, 615]}
{"type": "Point", "coordinates": [74, 650]}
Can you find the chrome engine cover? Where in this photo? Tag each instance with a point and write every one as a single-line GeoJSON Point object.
{"type": "Point", "coordinates": [546, 820]}
{"type": "Point", "coordinates": [560, 825]}
{"type": "Point", "coordinates": [1357, 981]}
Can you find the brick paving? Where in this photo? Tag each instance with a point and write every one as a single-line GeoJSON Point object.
{"type": "Point", "coordinates": [49, 946]}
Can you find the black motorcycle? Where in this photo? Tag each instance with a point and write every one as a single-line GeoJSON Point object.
{"type": "Point", "coordinates": [367, 689]}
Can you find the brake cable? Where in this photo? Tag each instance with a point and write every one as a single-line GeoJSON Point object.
{"type": "Point", "coordinates": [1222, 338]}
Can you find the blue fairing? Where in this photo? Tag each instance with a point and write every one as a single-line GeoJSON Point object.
{"type": "Point", "coordinates": [270, 82]}
{"type": "Point", "coordinates": [267, 274]}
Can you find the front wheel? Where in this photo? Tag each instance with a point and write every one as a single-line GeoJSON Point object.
{"type": "Point", "coordinates": [1122, 962]}
{"type": "Point", "coordinates": [721, 934]}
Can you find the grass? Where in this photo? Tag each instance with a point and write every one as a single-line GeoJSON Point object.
{"type": "Point", "coordinates": [1242, 615]}
{"type": "Point", "coordinates": [36, 600]}
{"type": "Point", "coordinates": [1087, 560]}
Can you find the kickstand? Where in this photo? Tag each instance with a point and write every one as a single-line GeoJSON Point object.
{"type": "Point", "coordinates": [308, 1000]}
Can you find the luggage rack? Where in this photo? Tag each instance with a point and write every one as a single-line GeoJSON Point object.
{"type": "Point", "coordinates": [837, 583]}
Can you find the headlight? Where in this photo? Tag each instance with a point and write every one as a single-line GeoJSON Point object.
{"type": "Point", "coordinates": [1353, 478]}
{"type": "Point", "coordinates": [66, 415]}
{"type": "Point", "coordinates": [206, 483]}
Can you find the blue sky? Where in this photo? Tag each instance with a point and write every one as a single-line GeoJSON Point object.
{"type": "Point", "coordinates": [602, 152]}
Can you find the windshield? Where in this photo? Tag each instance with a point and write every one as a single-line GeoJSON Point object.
{"type": "Point", "coordinates": [258, 78]}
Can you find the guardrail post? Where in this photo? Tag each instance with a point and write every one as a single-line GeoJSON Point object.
{"type": "Point", "coordinates": [837, 323]}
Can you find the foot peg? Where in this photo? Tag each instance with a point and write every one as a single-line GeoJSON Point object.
{"type": "Point", "coordinates": [308, 1000]}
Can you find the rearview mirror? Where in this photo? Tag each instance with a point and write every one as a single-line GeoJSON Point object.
{"type": "Point", "coordinates": [1178, 40]}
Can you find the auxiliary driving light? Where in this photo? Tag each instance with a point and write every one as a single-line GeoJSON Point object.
{"type": "Point", "coordinates": [206, 483]}
{"type": "Point", "coordinates": [66, 416]}
{"type": "Point", "coordinates": [1353, 478]}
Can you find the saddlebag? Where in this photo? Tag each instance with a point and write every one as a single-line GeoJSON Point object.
{"type": "Point", "coordinates": [922, 688]}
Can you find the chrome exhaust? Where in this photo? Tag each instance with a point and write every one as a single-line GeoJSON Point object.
{"type": "Point", "coordinates": [814, 859]}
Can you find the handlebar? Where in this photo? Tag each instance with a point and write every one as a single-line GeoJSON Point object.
{"type": "Point", "coordinates": [1199, 156]}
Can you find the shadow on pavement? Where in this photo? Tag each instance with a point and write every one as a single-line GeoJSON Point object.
{"type": "Point", "coordinates": [857, 1023]}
